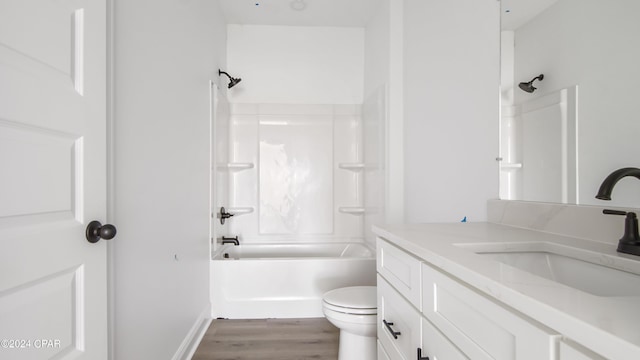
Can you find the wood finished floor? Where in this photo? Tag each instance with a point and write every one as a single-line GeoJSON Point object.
{"type": "Point", "coordinates": [269, 339]}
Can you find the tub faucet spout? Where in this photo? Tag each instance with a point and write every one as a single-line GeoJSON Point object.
{"type": "Point", "coordinates": [231, 240]}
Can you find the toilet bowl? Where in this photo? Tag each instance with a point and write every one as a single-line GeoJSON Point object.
{"type": "Point", "coordinates": [354, 311]}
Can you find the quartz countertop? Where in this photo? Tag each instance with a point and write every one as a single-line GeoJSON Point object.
{"type": "Point", "coordinates": [609, 326]}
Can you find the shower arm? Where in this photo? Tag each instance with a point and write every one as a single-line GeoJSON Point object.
{"type": "Point", "coordinates": [220, 72]}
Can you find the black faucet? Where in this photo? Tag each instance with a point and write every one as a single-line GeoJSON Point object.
{"type": "Point", "coordinates": [604, 193]}
{"type": "Point", "coordinates": [231, 240]}
{"type": "Point", "coordinates": [630, 241]}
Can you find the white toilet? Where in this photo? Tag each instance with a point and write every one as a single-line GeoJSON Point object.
{"type": "Point", "coordinates": [353, 310]}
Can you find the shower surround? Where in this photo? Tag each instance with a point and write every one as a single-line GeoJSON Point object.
{"type": "Point", "coordinates": [295, 173]}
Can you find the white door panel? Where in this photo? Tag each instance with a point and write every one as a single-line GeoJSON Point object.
{"type": "Point", "coordinates": [40, 167]}
{"type": "Point", "coordinates": [52, 179]}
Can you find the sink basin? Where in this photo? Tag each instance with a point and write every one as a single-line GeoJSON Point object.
{"type": "Point", "coordinates": [594, 273]}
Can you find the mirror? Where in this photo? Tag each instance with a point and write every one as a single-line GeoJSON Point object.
{"type": "Point", "coordinates": [559, 142]}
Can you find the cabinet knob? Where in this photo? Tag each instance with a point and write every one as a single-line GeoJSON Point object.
{"type": "Point", "coordinates": [420, 355]}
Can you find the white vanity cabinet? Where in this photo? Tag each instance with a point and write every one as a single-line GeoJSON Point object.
{"type": "Point", "coordinates": [402, 330]}
{"type": "Point", "coordinates": [480, 327]}
{"type": "Point", "coordinates": [382, 354]}
{"type": "Point", "coordinates": [572, 351]}
{"type": "Point", "coordinates": [450, 320]}
{"type": "Point", "coordinates": [472, 304]}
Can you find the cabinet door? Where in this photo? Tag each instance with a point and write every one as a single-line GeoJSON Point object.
{"type": "Point", "coordinates": [436, 347]}
{"type": "Point", "coordinates": [382, 354]}
{"type": "Point", "coordinates": [401, 270]}
{"type": "Point", "coordinates": [479, 326]}
{"type": "Point", "coordinates": [396, 315]}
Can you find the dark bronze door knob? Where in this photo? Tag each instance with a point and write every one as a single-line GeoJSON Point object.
{"type": "Point", "coordinates": [97, 231]}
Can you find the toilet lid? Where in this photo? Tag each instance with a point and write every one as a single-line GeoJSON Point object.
{"type": "Point", "coordinates": [355, 297]}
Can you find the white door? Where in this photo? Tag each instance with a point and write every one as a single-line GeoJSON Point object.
{"type": "Point", "coordinates": [52, 179]}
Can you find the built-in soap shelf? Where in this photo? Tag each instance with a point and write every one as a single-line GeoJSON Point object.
{"type": "Point", "coordinates": [356, 166]}
{"type": "Point", "coordinates": [235, 166]}
{"type": "Point", "coordinates": [351, 210]}
{"type": "Point", "coordinates": [510, 166]}
{"type": "Point", "coordinates": [240, 210]}
{"type": "Point", "coordinates": [352, 166]}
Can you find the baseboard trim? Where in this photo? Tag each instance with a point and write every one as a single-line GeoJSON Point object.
{"type": "Point", "coordinates": [192, 340]}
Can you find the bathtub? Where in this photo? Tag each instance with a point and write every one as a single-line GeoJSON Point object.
{"type": "Point", "coordinates": [284, 280]}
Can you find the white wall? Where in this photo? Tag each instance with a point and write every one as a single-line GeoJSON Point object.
{"type": "Point", "coordinates": [296, 65]}
{"type": "Point", "coordinates": [383, 74]}
{"type": "Point", "coordinates": [374, 184]}
{"type": "Point", "coordinates": [377, 43]}
{"type": "Point", "coordinates": [451, 90]}
{"type": "Point", "coordinates": [571, 47]}
{"type": "Point", "coordinates": [376, 122]}
{"type": "Point", "coordinates": [165, 53]}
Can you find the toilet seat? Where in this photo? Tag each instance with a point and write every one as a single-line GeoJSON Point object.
{"type": "Point", "coordinates": [346, 310]}
{"type": "Point", "coordinates": [357, 300]}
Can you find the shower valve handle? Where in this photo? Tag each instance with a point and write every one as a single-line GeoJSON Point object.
{"type": "Point", "coordinates": [224, 215]}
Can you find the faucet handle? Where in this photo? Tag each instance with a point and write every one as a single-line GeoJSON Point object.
{"type": "Point", "coordinates": [613, 212]}
{"type": "Point", "coordinates": [630, 241]}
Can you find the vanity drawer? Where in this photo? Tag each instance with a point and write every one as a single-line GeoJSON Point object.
{"type": "Point", "coordinates": [400, 269]}
{"type": "Point", "coordinates": [480, 327]}
{"type": "Point", "coordinates": [436, 346]}
{"type": "Point", "coordinates": [400, 317]}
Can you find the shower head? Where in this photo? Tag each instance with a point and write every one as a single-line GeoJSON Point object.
{"type": "Point", "coordinates": [528, 86]}
{"type": "Point", "coordinates": [232, 81]}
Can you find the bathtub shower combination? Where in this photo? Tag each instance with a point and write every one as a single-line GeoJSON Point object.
{"type": "Point", "coordinates": [285, 280]}
{"type": "Point", "coordinates": [303, 183]}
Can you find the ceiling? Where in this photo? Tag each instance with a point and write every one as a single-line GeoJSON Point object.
{"type": "Point", "coordinates": [516, 13]}
{"type": "Point", "coordinates": [340, 13]}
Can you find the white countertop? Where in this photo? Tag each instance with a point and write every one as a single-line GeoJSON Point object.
{"type": "Point", "coordinates": [607, 325]}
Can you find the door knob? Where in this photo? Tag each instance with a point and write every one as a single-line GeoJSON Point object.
{"type": "Point", "coordinates": [97, 231]}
